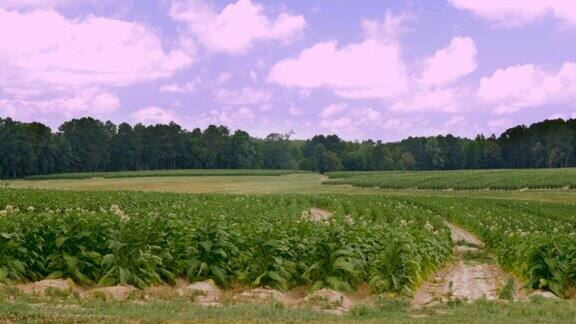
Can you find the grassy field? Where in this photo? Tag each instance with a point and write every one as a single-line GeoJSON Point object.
{"type": "Point", "coordinates": [163, 173]}
{"type": "Point", "coordinates": [293, 183]}
{"type": "Point", "coordinates": [460, 179]}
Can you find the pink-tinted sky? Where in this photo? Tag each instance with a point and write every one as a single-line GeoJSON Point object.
{"type": "Point", "coordinates": [360, 69]}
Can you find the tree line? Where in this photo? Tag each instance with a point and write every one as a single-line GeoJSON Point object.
{"type": "Point", "coordinates": [90, 145]}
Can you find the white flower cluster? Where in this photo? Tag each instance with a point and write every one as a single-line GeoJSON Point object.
{"type": "Point", "coordinates": [115, 209]}
{"type": "Point", "coordinates": [8, 210]}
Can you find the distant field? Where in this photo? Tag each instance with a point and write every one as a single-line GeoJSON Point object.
{"type": "Point", "coordinates": [238, 184]}
{"type": "Point", "coordinates": [163, 173]}
{"type": "Point", "coordinates": [292, 183]}
{"type": "Point", "coordinates": [460, 179]}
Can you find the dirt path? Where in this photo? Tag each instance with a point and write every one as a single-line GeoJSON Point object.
{"type": "Point", "coordinates": [471, 276]}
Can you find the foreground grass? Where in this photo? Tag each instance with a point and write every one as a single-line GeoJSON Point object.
{"type": "Point", "coordinates": [69, 309]}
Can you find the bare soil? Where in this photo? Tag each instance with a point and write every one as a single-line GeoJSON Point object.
{"type": "Point", "coordinates": [114, 292]}
{"type": "Point", "coordinates": [264, 295]}
{"type": "Point", "coordinates": [459, 234]}
{"type": "Point", "coordinates": [317, 215]}
{"type": "Point", "coordinates": [205, 293]}
{"type": "Point", "coordinates": [331, 301]}
{"type": "Point", "coordinates": [42, 286]}
{"type": "Point", "coordinates": [463, 280]}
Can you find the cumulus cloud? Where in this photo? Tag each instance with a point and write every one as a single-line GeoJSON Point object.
{"type": "Point", "coordinates": [234, 117]}
{"type": "Point", "coordinates": [514, 13]}
{"type": "Point", "coordinates": [332, 110]}
{"type": "Point", "coordinates": [435, 87]}
{"type": "Point", "coordinates": [244, 97]}
{"type": "Point", "coordinates": [443, 100]}
{"type": "Point", "coordinates": [390, 28]}
{"type": "Point", "coordinates": [49, 50]}
{"type": "Point", "coordinates": [67, 104]}
{"type": "Point", "coordinates": [459, 121]}
{"type": "Point", "coordinates": [397, 124]}
{"type": "Point", "coordinates": [517, 87]}
{"type": "Point", "coordinates": [237, 27]}
{"type": "Point", "coordinates": [154, 115]}
{"type": "Point", "coordinates": [349, 122]}
{"type": "Point", "coordinates": [295, 111]}
{"type": "Point", "coordinates": [371, 69]}
{"type": "Point", "coordinates": [376, 69]}
{"type": "Point", "coordinates": [448, 64]}
{"type": "Point", "coordinates": [223, 78]}
{"type": "Point", "coordinates": [50, 64]}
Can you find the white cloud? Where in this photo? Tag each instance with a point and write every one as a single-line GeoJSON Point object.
{"type": "Point", "coordinates": [223, 78]}
{"type": "Point", "coordinates": [295, 111]}
{"type": "Point", "coordinates": [349, 122]}
{"type": "Point", "coordinates": [188, 87]}
{"type": "Point", "coordinates": [375, 69]}
{"type": "Point", "coordinates": [444, 100]}
{"type": "Point", "coordinates": [389, 29]}
{"type": "Point", "coordinates": [67, 104]}
{"type": "Point", "coordinates": [232, 117]}
{"type": "Point", "coordinates": [397, 124]}
{"type": "Point", "coordinates": [371, 69]}
{"type": "Point", "coordinates": [266, 107]}
{"type": "Point", "coordinates": [246, 113]}
{"type": "Point", "coordinates": [521, 86]}
{"type": "Point", "coordinates": [457, 121]}
{"type": "Point", "coordinates": [435, 87]}
{"type": "Point", "coordinates": [253, 75]}
{"type": "Point", "coordinates": [332, 110]}
{"type": "Point", "coordinates": [499, 125]}
{"type": "Point", "coordinates": [450, 63]}
{"type": "Point", "coordinates": [237, 27]}
{"type": "Point", "coordinates": [245, 96]}
{"type": "Point", "coordinates": [154, 115]}
{"type": "Point", "coordinates": [49, 50]}
{"type": "Point", "coordinates": [305, 93]}
{"type": "Point", "coordinates": [514, 13]}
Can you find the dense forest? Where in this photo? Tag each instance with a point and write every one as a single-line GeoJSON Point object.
{"type": "Point", "coordinates": [88, 145]}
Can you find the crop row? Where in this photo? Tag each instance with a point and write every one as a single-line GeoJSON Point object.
{"type": "Point", "coordinates": [536, 241]}
{"type": "Point", "coordinates": [147, 238]}
{"type": "Point", "coordinates": [460, 179]}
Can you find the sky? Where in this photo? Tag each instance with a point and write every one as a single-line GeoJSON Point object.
{"type": "Point", "coordinates": [385, 70]}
